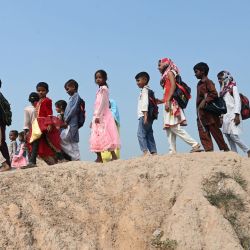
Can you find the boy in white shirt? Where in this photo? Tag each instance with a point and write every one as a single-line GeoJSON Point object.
{"type": "Point", "coordinates": [145, 131]}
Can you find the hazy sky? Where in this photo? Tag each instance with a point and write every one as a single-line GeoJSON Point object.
{"type": "Point", "coordinates": [53, 41]}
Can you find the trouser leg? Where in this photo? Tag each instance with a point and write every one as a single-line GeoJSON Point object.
{"type": "Point", "coordinates": [205, 137]}
{"type": "Point", "coordinates": [3, 146]}
{"type": "Point", "coordinates": [237, 141]}
{"type": "Point", "coordinates": [141, 135]}
{"type": "Point", "coordinates": [231, 143]}
{"type": "Point", "coordinates": [150, 138]}
{"type": "Point", "coordinates": [184, 135]}
{"type": "Point", "coordinates": [34, 151]}
{"type": "Point", "coordinates": [218, 137]}
{"type": "Point", "coordinates": [171, 140]}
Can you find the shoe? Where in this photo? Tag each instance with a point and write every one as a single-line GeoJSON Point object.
{"type": "Point", "coordinates": [5, 167]}
{"type": "Point", "coordinates": [30, 165]}
{"type": "Point", "coordinates": [196, 148]}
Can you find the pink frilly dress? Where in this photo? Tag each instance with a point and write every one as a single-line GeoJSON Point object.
{"type": "Point", "coordinates": [19, 159]}
{"type": "Point", "coordinates": [104, 135]}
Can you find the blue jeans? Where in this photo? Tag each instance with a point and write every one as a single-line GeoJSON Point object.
{"type": "Point", "coordinates": [146, 137]}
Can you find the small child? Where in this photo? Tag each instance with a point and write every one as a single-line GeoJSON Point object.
{"type": "Point", "coordinates": [60, 108]}
{"type": "Point", "coordinates": [13, 144]}
{"type": "Point", "coordinates": [20, 158]}
{"type": "Point", "coordinates": [70, 135]}
{"type": "Point", "coordinates": [104, 134]}
{"type": "Point", "coordinates": [145, 131]}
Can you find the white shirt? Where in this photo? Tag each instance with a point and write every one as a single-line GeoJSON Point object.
{"type": "Point", "coordinates": [233, 104]}
{"type": "Point", "coordinates": [142, 101]}
{"type": "Point", "coordinates": [29, 116]}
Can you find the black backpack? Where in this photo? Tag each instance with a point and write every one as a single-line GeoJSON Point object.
{"type": "Point", "coordinates": [153, 110]}
{"type": "Point", "coordinates": [5, 110]}
{"type": "Point", "coordinates": [182, 92]}
{"type": "Point", "coordinates": [82, 113]}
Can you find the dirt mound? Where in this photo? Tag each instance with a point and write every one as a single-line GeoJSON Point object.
{"type": "Point", "coordinates": [182, 201]}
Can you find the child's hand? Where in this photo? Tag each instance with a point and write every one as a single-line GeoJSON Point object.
{"type": "Point", "coordinates": [97, 120]}
{"type": "Point", "coordinates": [159, 101]}
{"type": "Point", "coordinates": [237, 119]}
{"type": "Point", "coordinates": [64, 125]}
{"type": "Point", "coordinates": [167, 106]}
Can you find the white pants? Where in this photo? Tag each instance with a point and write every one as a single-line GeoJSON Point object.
{"type": "Point", "coordinates": [174, 131]}
{"type": "Point", "coordinates": [71, 149]}
{"type": "Point", "coordinates": [234, 140]}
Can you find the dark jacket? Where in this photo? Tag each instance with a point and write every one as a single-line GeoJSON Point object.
{"type": "Point", "coordinates": [203, 88]}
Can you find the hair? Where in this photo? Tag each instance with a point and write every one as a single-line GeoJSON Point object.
{"type": "Point", "coordinates": [0, 83]}
{"type": "Point", "coordinates": [61, 104]}
{"type": "Point", "coordinates": [221, 73]}
{"type": "Point", "coordinates": [33, 97]}
{"type": "Point", "coordinates": [15, 132]}
{"type": "Point", "coordinates": [143, 74]}
{"type": "Point", "coordinates": [71, 82]}
{"type": "Point", "coordinates": [21, 134]}
{"type": "Point", "coordinates": [43, 85]}
{"type": "Point", "coordinates": [202, 67]}
{"type": "Point", "coordinates": [103, 73]}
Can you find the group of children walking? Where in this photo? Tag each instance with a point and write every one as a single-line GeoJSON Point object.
{"type": "Point", "coordinates": [55, 139]}
{"type": "Point", "coordinates": [174, 119]}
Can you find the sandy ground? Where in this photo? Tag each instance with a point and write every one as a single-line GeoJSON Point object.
{"type": "Point", "coordinates": [119, 205]}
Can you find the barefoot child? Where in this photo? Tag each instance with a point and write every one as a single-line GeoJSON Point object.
{"type": "Point", "coordinates": [104, 134]}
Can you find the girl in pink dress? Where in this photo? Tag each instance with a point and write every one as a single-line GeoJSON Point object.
{"type": "Point", "coordinates": [19, 160]}
{"type": "Point", "coordinates": [104, 135]}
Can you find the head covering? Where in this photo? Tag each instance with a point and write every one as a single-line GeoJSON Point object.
{"type": "Point", "coordinates": [227, 82]}
{"type": "Point", "coordinates": [170, 66]}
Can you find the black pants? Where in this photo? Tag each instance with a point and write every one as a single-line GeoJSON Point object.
{"type": "Point", "coordinates": [34, 151]}
{"type": "Point", "coordinates": [3, 146]}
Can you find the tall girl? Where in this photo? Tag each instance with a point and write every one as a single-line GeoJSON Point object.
{"type": "Point", "coordinates": [104, 134]}
{"type": "Point", "coordinates": [48, 145]}
{"type": "Point", "coordinates": [173, 115]}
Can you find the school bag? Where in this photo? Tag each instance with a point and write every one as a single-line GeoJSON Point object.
{"type": "Point", "coordinates": [245, 107]}
{"type": "Point", "coordinates": [82, 113]}
{"type": "Point", "coordinates": [5, 110]}
{"type": "Point", "coordinates": [182, 92]}
{"type": "Point", "coordinates": [153, 109]}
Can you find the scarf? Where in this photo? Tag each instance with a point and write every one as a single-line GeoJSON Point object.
{"type": "Point", "coordinates": [227, 82]}
{"type": "Point", "coordinates": [170, 66]}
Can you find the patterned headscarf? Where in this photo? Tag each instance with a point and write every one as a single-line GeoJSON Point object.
{"type": "Point", "coordinates": [170, 66]}
{"type": "Point", "coordinates": [227, 82]}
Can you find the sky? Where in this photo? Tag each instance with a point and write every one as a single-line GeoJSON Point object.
{"type": "Point", "coordinates": [56, 40]}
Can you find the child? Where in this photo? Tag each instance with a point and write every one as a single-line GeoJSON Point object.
{"type": "Point", "coordinates": [208, 123]}
{"type": "Point", "coordinates": [173, 115]}
{"type": "Point", "coordinates": [145, 132]}
{"type": "Point", "coordinates": [231, 120]}
{"type": "Point", "coordinates": [13, 144]}
{"type": "Point", "coordinates": [60, 109]}
{"type": "Point", "coordinates": [70, 135]}
{"type": "Point", "coordinates": [19, 159]}
{"type": "Point", "coordinates": [48, 145]}
{"type": "Point", "coordinates": [29, 112]}
{"type": "Point", "coordinates": [104, 134]}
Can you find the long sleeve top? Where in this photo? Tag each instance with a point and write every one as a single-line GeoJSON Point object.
{"type": "Point", "coordinates": [71, 117]}
{"type": "Point", "coordinates": [206, 90]}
